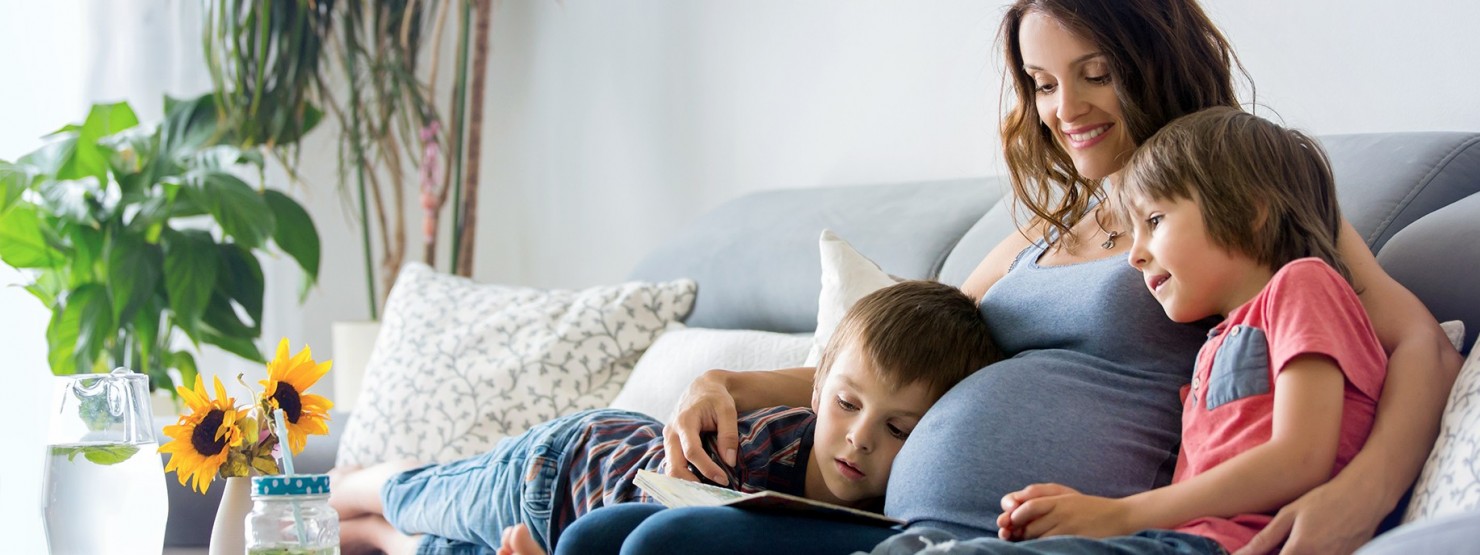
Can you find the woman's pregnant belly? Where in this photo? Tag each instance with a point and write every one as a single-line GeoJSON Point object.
{"type": "Point", "coordinates": [1043, 416]}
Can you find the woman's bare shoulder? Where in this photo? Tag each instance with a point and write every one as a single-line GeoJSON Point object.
{"type": "Point", "coordinates": [995, 264]}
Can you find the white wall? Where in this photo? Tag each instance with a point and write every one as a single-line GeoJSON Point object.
{"type": "Point", "coordinates": [41, 53]}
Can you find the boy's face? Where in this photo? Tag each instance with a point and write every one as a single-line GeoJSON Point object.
{"type": "Point", "coordinates": [861, 424]}
{"type": "Point", "coordinates": [1190, 276]}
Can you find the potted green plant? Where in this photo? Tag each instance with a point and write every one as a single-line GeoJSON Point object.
{"type": "Point", "coordinates": [134, 233]}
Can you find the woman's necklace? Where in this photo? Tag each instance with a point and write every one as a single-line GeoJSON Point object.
{"type": "Point", "coordinates": [1109, 235]}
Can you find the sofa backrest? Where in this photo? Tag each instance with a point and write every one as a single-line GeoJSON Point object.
{"type": "Point", "coordinates": [1415, 198]}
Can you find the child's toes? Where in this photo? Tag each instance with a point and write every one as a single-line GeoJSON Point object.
{"type": "Point", "coordinates": [523, 542]}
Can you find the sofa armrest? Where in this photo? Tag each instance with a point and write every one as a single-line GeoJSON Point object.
{"type": "Point", "coordinates": [192, 515]}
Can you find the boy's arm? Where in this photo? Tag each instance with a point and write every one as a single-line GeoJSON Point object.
{"type": "Point", "coordinates": [1340, 516]}
{"type": "Point", "coordinates": [1298, 456]}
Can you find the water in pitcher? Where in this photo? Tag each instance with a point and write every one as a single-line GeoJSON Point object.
{"type": "Point", "coordinates": [103, 492]}
{"type": "Point", "coordinates": [105, 499]}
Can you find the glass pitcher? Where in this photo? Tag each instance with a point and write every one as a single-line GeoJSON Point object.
{"type": "Point", "coordinates": [104, 489]}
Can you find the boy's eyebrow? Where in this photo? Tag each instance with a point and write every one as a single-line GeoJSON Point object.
{"type": "Point", "coordinates": [854, 385]}
{"type": "Point", "coordinates": [1077, 61]}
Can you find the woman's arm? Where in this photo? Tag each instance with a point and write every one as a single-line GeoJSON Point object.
{"type": "Point", "coordinates": [1421, 369]}
{"type": "Point", "coordinates": [713, 402]}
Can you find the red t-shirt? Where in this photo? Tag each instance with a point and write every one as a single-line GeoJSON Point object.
{"type": "Point", "coordinates": [1307, 308]}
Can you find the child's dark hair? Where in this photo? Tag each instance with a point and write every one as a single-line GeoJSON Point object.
{"type": "Point", "coordinates": [915, 332]}
{"type": "Point", "coordinates": [1264, 191]}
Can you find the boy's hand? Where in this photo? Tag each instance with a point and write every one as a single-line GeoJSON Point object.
{"type": "Point", "coordinates": [705, 406]}
{"type": "Point", "coordinates": [1072, 514]}
{"type": "Point", "coordinates": [1010, 502]}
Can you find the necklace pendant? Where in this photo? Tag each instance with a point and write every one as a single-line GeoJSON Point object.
{"type": "Point", "coordinates": [1110, 240]}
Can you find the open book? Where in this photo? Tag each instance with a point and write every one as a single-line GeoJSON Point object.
{"type": "Point", "coordinates": [674, 492]}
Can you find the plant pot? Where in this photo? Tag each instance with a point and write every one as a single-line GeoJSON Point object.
{"type": "Point", "coordinates": [353, 343]}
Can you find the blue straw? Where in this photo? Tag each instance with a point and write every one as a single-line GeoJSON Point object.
{"type": "Point", "coordinates": [282, 433]}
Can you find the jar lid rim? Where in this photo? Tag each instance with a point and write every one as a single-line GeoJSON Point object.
{"type": "Point", "coordinates": [296, 484]}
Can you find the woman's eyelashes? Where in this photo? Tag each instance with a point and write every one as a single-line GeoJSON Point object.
{"type": "Point", "coordinates": [1097, 78]}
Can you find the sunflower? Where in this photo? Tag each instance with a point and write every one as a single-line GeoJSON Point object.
{"type": "Point", "coordinates": [202, 439]}
{"type": "Point", "coordinates": [284, 388]}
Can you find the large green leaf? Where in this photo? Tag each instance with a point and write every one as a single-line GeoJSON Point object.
{"type": "Point", "coordinates": [48, 159]}
{"type": "Point", "coordinates": [133, 273]}
{"type": "Point", "coordinates": [22, 241]}
{"type": "Point", "coordinates": [241, 212]}
{"type": "Point", "coordinates": [296, 235]}
{"type": "Point", "coordinates": [240, 278]}
{"type": "Point", "coordinates": [86, 251]}
{"type": "Point", "coordinates": [14, 180]}
{"type": "Point", "coordinates": [221, 319]}
{"type": "Point", "coordinates": [190, 266]}
{"type": "Point", "coordinates": [145, 328]}
{"type": "Point", "coordinates": [61, 342]}
{"type": "Point", "coordinates": [185, 363]}
{"type": "Point", "coordinates": [189, 125]}
{"type": "Point", "coordinates": [87, 157]}
{"type": "Point", "coordinates": [78, 332]}
{"type": "Point", "coordinates": [133, 157]}
{"type": "Point", "coordinates": [75, 200]}
{"type": "Point", "coordinates": [238, 346]}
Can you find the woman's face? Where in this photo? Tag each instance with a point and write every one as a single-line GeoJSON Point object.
{"type": "Point", "coordinates": [1075, 96]}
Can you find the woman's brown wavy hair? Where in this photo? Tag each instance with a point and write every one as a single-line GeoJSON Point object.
{"type": "Point", "coordinates": [1166, 60]}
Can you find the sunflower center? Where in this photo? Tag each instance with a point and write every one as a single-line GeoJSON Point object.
{"type": "Point", "coordinates": [203, 439]}
{"type": "Point", "coordinates": [287, 398]}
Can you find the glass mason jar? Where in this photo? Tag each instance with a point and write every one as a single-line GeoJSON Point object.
{"type": "Point", "coordinates": [291, 516]}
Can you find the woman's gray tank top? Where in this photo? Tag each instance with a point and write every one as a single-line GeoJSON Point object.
{"type": "Point", "coordinates": [1089, 398]}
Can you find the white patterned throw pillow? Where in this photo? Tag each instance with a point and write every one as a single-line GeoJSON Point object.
{"type": "Point", "coordinates": [459, 365]}
{"type": "Point", "coordinates": [1450, 482]}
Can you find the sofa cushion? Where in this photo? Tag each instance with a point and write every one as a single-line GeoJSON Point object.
{"type": "Point", "coordinates": [1450, 482]}
{"type": "Point", "coordinates": [1389, 180]}
{"type": "Point", "coordinates": [459, 365]}
{"type": "Point", "coordinates": [681, 354]}
{"type": "Point", "coordinates": [755, 257]}
{"type": "Point", "coordinates": [847, 276]}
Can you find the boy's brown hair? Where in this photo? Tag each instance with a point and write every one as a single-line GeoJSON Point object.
{"type": "Point", "coordinates": [1263, 190]}
{"type": "Point", "coordinates": [915, 332]}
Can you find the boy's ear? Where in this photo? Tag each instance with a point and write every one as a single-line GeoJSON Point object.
{"type": "Point", "coordinates": [816, 396]}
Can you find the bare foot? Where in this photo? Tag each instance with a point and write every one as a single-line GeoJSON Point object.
{"type": "Point", "coordinates": [517, 540]}
{"type": "Point", "coordinates": [371, 534]}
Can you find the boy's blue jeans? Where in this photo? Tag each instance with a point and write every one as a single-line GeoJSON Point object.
{"type": "Point", "coordinates": [463, 506]}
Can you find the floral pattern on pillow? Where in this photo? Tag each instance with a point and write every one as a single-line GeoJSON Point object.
{"type": "Point", "coordinates": [1450, 482]}
{"type": "Point", "coordinates": [459, 365]}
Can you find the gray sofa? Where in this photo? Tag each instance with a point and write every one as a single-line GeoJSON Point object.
{"type": "Point", "coordinates": [1415, 197]}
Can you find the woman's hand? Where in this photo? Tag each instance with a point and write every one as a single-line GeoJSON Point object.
{"type": "Point", "coordinates": [1324, 520]}
{"type": "Point", "coordinates": [706, 406]}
